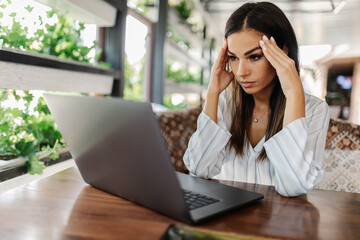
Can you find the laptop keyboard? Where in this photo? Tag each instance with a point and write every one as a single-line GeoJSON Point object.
{"type": "Point", "coordinates": [195, 200]}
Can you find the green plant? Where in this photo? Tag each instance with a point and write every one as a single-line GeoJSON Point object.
{"type": "Point", "coordinates": [61, 38]}
{"type": "Point", "coordinates": [172, 34]}
{"type": "Point", "coordinates": [184, 8]}
{"type": "Point", "coordinates": [24, 134]}
{"type": "Point", "coordinates": [28, 134]}
{"type": "Point", "coordinates": [181, 74]}
{"type": "Point", "coordinates": [168, 103]}
{"type": "Point", "coordinates": [133, 81]}
{"type": "Point", "coordinates": [143, 5]}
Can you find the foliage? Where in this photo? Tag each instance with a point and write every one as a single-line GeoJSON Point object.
{"type": "Point", "coordinates": [143, 5]}
{"type": "Point", "coordinates": [60, 39]}
{"type": "Point", "coordinates": [168, 103]}
{"type": "Point", "coordinates": [63, 39]}
{"type": "Point", "coordinates": [178, 38]}
{"type": "Point", "coordinates": [24, 134]}
{"type": "Point", "coordinates": [184, 8]}
{"type": "Point", "coordinates": [192, 18]}
{"type": "Point", "coordinates": [181, 74]}
{"type": "Point", "coordinates": [133, 79]}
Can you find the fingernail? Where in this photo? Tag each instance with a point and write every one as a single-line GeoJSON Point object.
{"type": "Point", "coordinates": [265, 38]}
{"type": "Point", "coordinates": [272, 39]}
{"type": "Point", "coordinates": [262, 45]}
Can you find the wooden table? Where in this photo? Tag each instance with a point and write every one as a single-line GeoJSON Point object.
{"type": "Point", "coordinates": [62, 206]}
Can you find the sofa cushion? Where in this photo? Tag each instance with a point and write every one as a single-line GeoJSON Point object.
{"type": "Point", "coordinates": [341, 171]}
{"type": "Point", "coordinates": [343, 135]}
{"type": "Point", "coordinates": [177, 126]}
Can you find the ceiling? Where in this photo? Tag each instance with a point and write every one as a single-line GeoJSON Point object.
{"type": "Point", "coordinates": [314, 22]}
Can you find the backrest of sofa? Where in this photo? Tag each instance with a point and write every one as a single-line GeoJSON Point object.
{"type": "Point", "coordinates": [341, 162]}
{"type": "Point", "coordinates": [343, 135]}
{"type": "Point", "coordinates": [177, 126]}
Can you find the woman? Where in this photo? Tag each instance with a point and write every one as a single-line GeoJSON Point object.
{"type": "Point", "coordinates": [257, 124]}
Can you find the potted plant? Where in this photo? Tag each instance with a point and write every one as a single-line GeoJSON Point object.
{"type": "Point", "coordinates": [29, 134]}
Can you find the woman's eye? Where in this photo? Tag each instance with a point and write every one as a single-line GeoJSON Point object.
{"type": "Point", "coordinates": [232, 58]}
{"type": "Point", "coordinates": [255, 57]}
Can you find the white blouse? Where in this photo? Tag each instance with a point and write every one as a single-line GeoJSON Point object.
{"type": "Point", "coordinates": [294, 154]}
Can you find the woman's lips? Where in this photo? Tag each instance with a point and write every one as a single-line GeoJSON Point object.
{"type": "Point", "coordinates": [247, 84]}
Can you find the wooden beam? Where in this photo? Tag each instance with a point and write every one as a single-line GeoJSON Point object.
{"type": "Point", "coordinates": [29, 77]}
{"type": "Point", "coordinates": [96, 12]}
{"type": "Point", "coordinates": [43, 60]}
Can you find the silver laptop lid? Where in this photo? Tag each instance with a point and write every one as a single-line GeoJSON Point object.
{"type": "Point", "coordinates": [118, 147]}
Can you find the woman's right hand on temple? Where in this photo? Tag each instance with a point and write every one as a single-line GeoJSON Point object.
{"type": "Point", "coordinates": [220, 78]}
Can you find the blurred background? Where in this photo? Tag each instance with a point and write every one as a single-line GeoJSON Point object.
{"type": "Point", "coordinates": [169, 46]}
{"type": "Point", "coordinates": [328, 33]}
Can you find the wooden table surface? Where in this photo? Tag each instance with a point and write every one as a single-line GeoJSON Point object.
{"type": "Point", "coordinates": [63, 206]}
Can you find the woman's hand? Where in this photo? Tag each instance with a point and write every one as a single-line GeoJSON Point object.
{"type": "Point", "coordinates": [220, 78]}
{"type": "Point", "coordinates": [289, 79]}
{"type": "Point", "coordinates": [285, 67]}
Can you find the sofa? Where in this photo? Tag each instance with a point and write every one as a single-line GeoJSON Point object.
{"type": "Point", "coordinates": [341, 155]}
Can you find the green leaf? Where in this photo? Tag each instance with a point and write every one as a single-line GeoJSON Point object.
{"type": "Point", "coordinates": [105, 65]}
{"type": "Point", "coordinates": [4, 127]}
{"type": "Point", "coordinates": [26, 148]}
{"type": "Point", "coordinates": [42, 107]}
{"type": "Point", "coordinates": [50, 14]}
{"type": "Point", "coordinates": [17, 97]}
{"type": "Point", "coordinates": [29, 8]}
{"type": "Point", "coordinates": [97, 57]}
{"type": "Point", "coordinates": [54, 155]}
{"type": "Point", "coordinates": [15, 112]}
{"type": "Point", "coordinates": [41, 22]}
{"type": "Point", "coordinates": [3, 6]}
{"type": "Point", "coordinates": [3, 94]}
{"type": "Point", "coordinates": [28, 98]}
{"type": "Point", "coordinates": [35, 166]}
{"type": "Point", "coordinates": [40, 32]}
{"type": "Point", "coordinates": [12, 14]}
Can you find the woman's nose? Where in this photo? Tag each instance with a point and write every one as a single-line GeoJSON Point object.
{"type": "Point", "coordinates": [242, 69]}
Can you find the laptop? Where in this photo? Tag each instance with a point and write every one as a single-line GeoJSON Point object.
{"type": "Point", "coordinates": [118, 147]}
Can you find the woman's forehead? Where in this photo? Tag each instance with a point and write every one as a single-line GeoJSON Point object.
{"type": "Point", "coordinates": [242, 41]}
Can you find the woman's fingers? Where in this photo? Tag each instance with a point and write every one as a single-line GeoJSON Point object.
{"type": "Point", "coordinates": [283, 64]}
{"type": "Point", "coordinates": [273, 47]}
{"type": "Point", "coordinates": [276, 56]}
{"type": "Point", "coordinates": [220, 78]}
{"type": "Point", "coordinates": [274, 61]}
{"type": "Point", "coordinates": [222, 59]}
{"type": "Point", "coordinates": [272, 53]}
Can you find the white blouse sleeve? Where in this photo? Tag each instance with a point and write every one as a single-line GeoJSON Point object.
{"type": "Point", "coordinates": [206, 152]}
{"type": "Point", "coordinates": [296, 152]}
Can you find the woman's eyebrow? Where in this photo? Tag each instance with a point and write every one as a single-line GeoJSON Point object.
{"type": "Point", "coordinates": [247, 52]}
{"type": "Point", "coordinates": [251, 50]}
{"type": "Point", "coordinates": [231, 52]}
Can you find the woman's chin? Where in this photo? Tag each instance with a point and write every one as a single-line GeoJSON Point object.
{"type": "Point", "coordinates": [250, 90]}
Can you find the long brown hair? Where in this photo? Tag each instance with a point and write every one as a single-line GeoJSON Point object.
{"type": "Point", "coordinates": [268, 19]}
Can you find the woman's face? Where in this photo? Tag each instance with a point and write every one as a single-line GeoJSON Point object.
{"type": "Point", "coordinates": [250, 67]}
